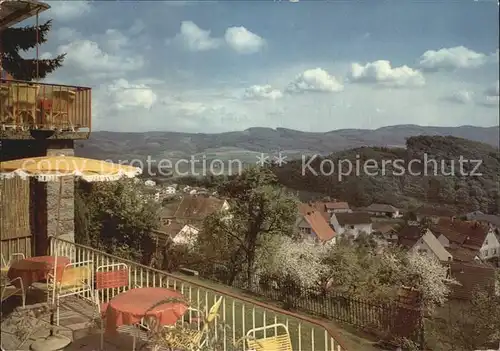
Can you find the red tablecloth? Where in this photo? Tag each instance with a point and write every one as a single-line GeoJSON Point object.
{"type": "Point", "coordinates": [34, 269]}
{"type": "Point", "coordinates": [130, 307]}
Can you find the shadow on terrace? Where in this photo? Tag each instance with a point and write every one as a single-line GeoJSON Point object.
{"type": "Point", "coordinates": [217, 319]}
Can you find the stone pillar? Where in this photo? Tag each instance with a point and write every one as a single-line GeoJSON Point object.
{"type": "Point", "coordinates": [61, 197]}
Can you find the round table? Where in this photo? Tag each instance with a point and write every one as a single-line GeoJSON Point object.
{"type": "Point", "coordinates": [51, 343]}
{"type": "Point", "coordinates": [130, 307]}
{"type": "Point", "coordinates": [34, 269]}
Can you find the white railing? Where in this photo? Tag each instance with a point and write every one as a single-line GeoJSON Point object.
{"type": "Point", "coordinates": [237, 315]}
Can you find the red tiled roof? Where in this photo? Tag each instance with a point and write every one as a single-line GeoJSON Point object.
{"type": "Point", "coordinates": [319, 226]}
{"type": "Point", "coordinates": [469, 233]}
{"type": "Point", "coordinates": [463, 254]}
{"type": "Point", "coordinates": [409, 235]}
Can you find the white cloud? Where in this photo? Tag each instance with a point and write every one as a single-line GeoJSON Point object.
{"type": "Point", "coordinates": [88, 56]}
{"type": "Point", "coordinates": [451, 59]}
{"type": "Point", "coordinates": [67, 11]}
{"type": "Point", "coordinates": [315, 80]}
{"type": "Point", "coordinates": [239, 39]}
{"type": "Point", "coordinates": [196, 39]}
{"type": "Point", "coordinates": [243, 41]}
{"type": "Point", "coordinates": [66, 34]}
{"type": "Point", "coordinates": [125, 95]}
{"type": "Point", "coordinates": [461, 97]}
{"type": "Point", "coordinates": [263, 92]}
{"type": "Point", "coordinates": [381, 72]}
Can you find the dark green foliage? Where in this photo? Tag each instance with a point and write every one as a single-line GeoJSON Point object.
{"type": "Point", "coordinates": [16, 40]}
{"type": "Point", "coordinates": [113, 217]}
{"type": "Point", "coordinates": [258, 208]}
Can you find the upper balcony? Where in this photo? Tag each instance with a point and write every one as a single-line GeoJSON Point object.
{"type": "Point", "coordinates": [32, 109]}
{"type": "Point", "coordinates": [39, 110]}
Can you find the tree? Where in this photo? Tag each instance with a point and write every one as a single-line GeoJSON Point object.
{"type": "Point", "coordinates": [118, 219]}
{"type": "Point", "coordinates": [259, 210]}
{"type": "Point", "coordinates": [292, 265]}
{"type": "Point", "coordinates": [15, 40]}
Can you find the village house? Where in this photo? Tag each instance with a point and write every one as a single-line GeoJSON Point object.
{"type": "Point", "coordinates": [352, 223]}
{"type": "Point", "coordinates": [419, 239]}
{"type": "Point", "coordinates": [384, 210]}
{"type": "Point", "coordinates": [387, 231]}
{"type": "Point", "coordinates": [432, 213]}
{"type": "Point", "coordinates": [187, 235]}
{"type": "Point", "coordinates": [470, 239]}
{"type": "Point", "coordinates": [491, 220]}
{"type": "Point", "coordinates": [337, 207]}
{"type": "Point", "coordinates": [177, 232]}
{"type": "Point", "coordinates": [192, 208]}
{"type": "Point", "coordinates": [313, 225]}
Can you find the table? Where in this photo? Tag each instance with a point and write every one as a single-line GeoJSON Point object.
{"type": "Point", "coordinates": [130, 307]}
{"type": "Point", "coordinates": [34, 269]}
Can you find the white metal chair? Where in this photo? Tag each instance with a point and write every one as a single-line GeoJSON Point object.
{"type": "Point", "coordinates": [266, 342]}
{"type": "Point", "coordinates": [6, 264]}
{"type": "Point", "coordinates": [76, 279]}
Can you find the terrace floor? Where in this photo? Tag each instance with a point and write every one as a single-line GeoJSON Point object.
{"type": "Point", "coordinates": [75, 322]}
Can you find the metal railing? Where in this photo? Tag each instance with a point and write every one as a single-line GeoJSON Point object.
{"type": "Point", "coordinates": [33, 105]}
{"type": "Point", "coordinates": [237, 314]}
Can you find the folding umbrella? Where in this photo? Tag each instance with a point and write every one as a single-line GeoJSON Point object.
{"type": "Point", "coordinates": [54, 168]}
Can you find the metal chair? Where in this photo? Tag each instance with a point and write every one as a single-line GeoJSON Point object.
{"type": "Point", "coordinates": [76, 279]}
{"type": "Point", "coordinates": [190, 339]}
{"type": "Point", "coordinates": [6, 264]}
{"type": "Point", "coordinates": [277, 342]}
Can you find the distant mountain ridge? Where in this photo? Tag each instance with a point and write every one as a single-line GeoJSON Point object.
{"type": "Point", "coordinates": [176, 145]}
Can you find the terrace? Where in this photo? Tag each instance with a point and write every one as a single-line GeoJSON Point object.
{"type": "Point", "coordinates": [28, 109]}
{"type": "Point", "coordinates": [237, 314]}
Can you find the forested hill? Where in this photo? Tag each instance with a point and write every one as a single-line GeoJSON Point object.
{"type": "Point", "coordinates": [461, 190]}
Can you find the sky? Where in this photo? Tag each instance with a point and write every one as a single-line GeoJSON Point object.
{"type": "Point", "coordinates": [209, 67]}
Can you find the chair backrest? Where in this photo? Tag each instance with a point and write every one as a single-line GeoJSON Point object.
{"type": "Point", "coordinates": [24, 93]}
{"type": "Point", "coordinates": [76, 278]}
{"type": "Point", "coordinates": [278, 342]}
{"type": "Point", "coordinates": [275, 343]}
{"type": "Point", "coordinates": [112, 276]}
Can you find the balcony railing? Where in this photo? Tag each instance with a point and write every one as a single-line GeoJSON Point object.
{"type": "Point", "coordinates": [41, 106]}
{"type": "Point", "coordinates": [237, 314]}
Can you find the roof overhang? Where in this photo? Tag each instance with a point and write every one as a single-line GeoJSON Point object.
{"type": "Point", "coordinates": [15, 11]}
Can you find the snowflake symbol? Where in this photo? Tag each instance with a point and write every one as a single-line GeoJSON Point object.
{"type": "Point", "coordinates": [280, 160]}
{"type": "Point", "coordinates": [262, 159]}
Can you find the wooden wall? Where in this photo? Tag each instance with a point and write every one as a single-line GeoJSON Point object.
{"type": "Point", "coordinates": [15, 217]}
